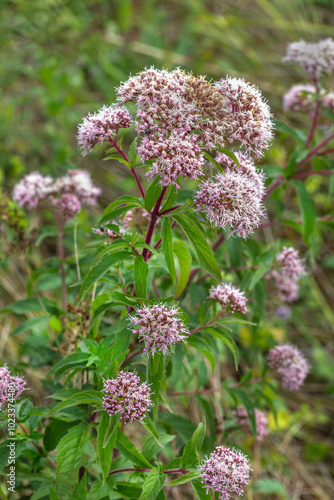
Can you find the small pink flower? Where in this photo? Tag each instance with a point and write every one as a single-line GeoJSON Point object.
{"type": "Point", "coordinates": [126, 396]}
{"type": "Point", "coordinates": [232, 201]}
{"type": "Point", "coordinates": [67, 206]}
{"type": "Point", "coordinates": [11, 387]}
{"type": "Point", "coordinates": [225, 471]}
{"type": "Point", "coordinates": [108, 233]}
{"type": "Point", "coordinates": [299, 98]}
{"type": "Point", "coordinates": [159, 327]}
{"type": "Point", "coordinates": [315, 58]}
{"type": "Point", "coordinates": [288, 361]}
{"type": "Point", "coordinates": [32, 189]}
{"type": "Point", "coordinates": [261, 420]}
{"type": "Point", "coordinates": [229, 297]}
{"type": "Point", "coordinates": [286, 277]}
{"type": "Point", "coordinates": [102, 126]}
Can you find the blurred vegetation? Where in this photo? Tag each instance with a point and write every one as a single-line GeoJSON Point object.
{"type": "Point", "coordinates": [61, 59]}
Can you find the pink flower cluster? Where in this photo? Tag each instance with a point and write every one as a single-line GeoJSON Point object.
{"type": "Point", "coordinates": [102, 126]}
{"type": "Point", "coordinates": [315, 58]}
{"type": "Point", "coordinates": [249, 118]}
{"type": "Point", "coordinates": [225, 471]}
{"type": "Point", "coordinates": [232, 201]}
{"type": "Point", "coordinates": [229, 297]}
{"type": "Point", "coordinates": [160, 327]}
{"type": "Point", "coordinates": [181, 115]}
{"type": "Point", "coordinates": [66, 194]}
{"type": "Point", "coordinates": [247, 167]}
{"type": "Point", "coordinates": [300, 98]}
{"type": "Point", "coordinates": [286, 278]}
{"type": "Point", "coordinates": [290, 364]}
{"type": "Point", "coordinates": [11, 387]}
{"type": "Point", "coordinates": [124, 395]}
{"type": "Point", "coordinates": [108, 233]}
{"type": "Point", "coordinates": [261, 420]}
{"type": "Point", "coordinates": [137, 219]}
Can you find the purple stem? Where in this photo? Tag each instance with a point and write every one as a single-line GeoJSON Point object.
{"type": "Point", "coordinates": [153, 221]}
{"type": "Point", "coordinates": [132, 169]}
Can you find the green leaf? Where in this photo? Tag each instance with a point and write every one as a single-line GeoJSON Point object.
{"type": "Point", "coordinates": [184, 479]}
{"type": "Point", "coordinates": [54, 432]}
{"type": "Point", "coordinates": [133, 155]}
{"type": "Point", "coordinates": [128, 491]}
{"type": "Point", "coordinates": [124, 445]}
{"type": "Point", "coordinates": [308, 209]}
{"type": "Point", "coordinates": [264, 264]}
{"type": "Point", "coordinates": [38, 322]}
{"type": "Point", "coordinates": [242, 396]}
{"type": "Point", "coordinates": [269, 486]}
{"type": "Point", "coordinates": [100, 269]}
{"type": "Point", "coordinates": [183, 208]}
{"type": "Point", "coordinates": [140, 272]}
{"type": "Point", "coordinates": [106, 437]}
{"type": "Point", "coordinates": [111, 215]}
{"type": "Point", "coordinates": [296, 157]}
{"type": "Point", "coordinates": [228, 340]}
{"type": "Point", "coordinates": [171, 195]}
{"type": "Point", "coordinates": [70, 455]}
{"type": "Point", "coordinates": [292, 131]}
{"type": "Point", "coordinates": [196, 342]}
{"type": "Point", "coordinates": [152, 485]}
{"type": "Point", "coordinates": [76, 360]}
{"type": "Point", "coordinates": [200, 490]}
{"type": "Point", "coordinates": [155, 373]}
{"type": "Point", "coordinates": [149, 425]}
{"type": "Point", "coordinates": [82, 397]}
{"type": "Point", "coordinates": [80, 491]}
{"type": "Point", "coordinates": [152, 194]}
{"type": "Point", "coordinates": [167, 246]}
{"type": "Point", "coordinates": [230, 154]}
{"type": "Point", "coordinates": [201, 247]}
{"type": "Point", "coordinates": [214, 162]}
{"type": "Point", "coordinates": [44, 232]}
{"type": "Point", "coordinates": [190, 455]}
{"type": "Point", "coordinates": [183, 256]}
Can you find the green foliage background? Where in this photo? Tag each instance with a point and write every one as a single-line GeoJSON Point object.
{"type": "Point", "coordinates": [61, 59]}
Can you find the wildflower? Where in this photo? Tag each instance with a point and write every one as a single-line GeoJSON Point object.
{"type": "Point", "coordinates": [229, 297]}
{"type": "Point", "coordinates": [124, 395]}
{"type": "Point", "coordinates": [315, 58]}
{"type": "Point", "coordinates": [290, 364]}
{"type": "Point", "coordinates": [300, 98]}
{"type": "Point", "coordinates": [67, 206]}
{"type": "Point", "coordinates": [225, 471]}
{"type": "Point", "coordinates": [261, 421]}
{"type": "Point", "coordinates": [249, 118]}
{"type": "Point", "coordinates": [102, 126]}
{"type": "Point", "coordinates": [32, 189]}
{"type": "Point", "coordinates": [160, 327]}
{"type": "Point", "coordinates": [231, 200]}
{"type": "Point", "coordinates": [247, 167]}
{"type": "Point", "coordinates": [174, 155]}
{"type": "Point", "coordinates": [80, 182]}
{"type": "Point", "coordinates": [286, 278]}
{"type": "Point", "coordinates": [11, 387]}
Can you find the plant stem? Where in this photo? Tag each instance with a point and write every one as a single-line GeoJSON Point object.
{"type": "Point", "coordinates": [169, 210]}
{"type": "Point", "coordinates": [207, 324]}
{"type": "Point", "coordinates": [133, 469]}
{"type": "Point", "coordinates": [153, 221]}
{"type": "Point", "coordinates": [158, 243]}
{"type": "Point", "coordinates": [76, 251]}
{"type": "Point", "coordinates": [132, 169]}
{"type": "Point", "coordinates": [301, 175]}
{"type": "Point", "coordinates": [60, 247]}
{"type": "Point", "coordinates": [130, 357]}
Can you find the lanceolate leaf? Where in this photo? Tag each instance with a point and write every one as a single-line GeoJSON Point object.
{"type": "Point", "coordinates": [106, 437]}
{"type": "Point", "coordinates": [100, 269]}
{"type": "Point", "coordinates": [141, 272]}
{"type": "Point", "coordinates": [192, 448]}
{"type": "Point", "coordinates": [124, 445]}
{"type": "Point", "coordinates": [152, 194]}
{"type": "Point", "coordinates": [167, 246]}
{"type": "Point", "coordinates": [228, 340]}
{"type": "Point", "coordinates": [183, 256]}
{"type": "Point", "coordinates": [309, 211]}
{"type": "Point", "coordinates": [82, 397]}
{"type": "Point", "coordinates": [152, 485]}
{"type": "Point", "coordinates": [201, 247]}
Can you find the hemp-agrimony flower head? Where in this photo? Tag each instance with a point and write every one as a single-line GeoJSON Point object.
{"type": "Point", "coordinates": [288, 361]}
{"type": "Point", "coordinates": [229, 297]}
{"type": "Point", "coordinates": [159, 327]}
{"type": "Point", "coordinates": [32, 189]}
{"type": "Point", "coordinates": [249, 118]}
{"type": "Point", "coordinates": [225, 471]}
{"type": "Point", "coordinates": [11, 387]}
{"type": "Point", "coordinates": [247, 167]}
{"type": "Point", "coordinates": [315, 58]}
{"type": "Point", "coordinates": [232, 201]}
{"type": "Point", "coordinates": [286, 277]}
{"type": "Point", "coordinates": [261, 421]}
{"type": "Point", "coordinates": [126, 396]}
{"type": "Point", "coordinates": [102, 126]}
{"type": "Point", "coordinates": [299, 98]}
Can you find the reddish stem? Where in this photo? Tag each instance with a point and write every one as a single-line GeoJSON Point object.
{"type": "Point", "coordinates": [153, 221]}
{"type": "Point", "coordinates": [38, 448]}
{"type": "Point", "coordinates": [169, 210]}
{"type": "Point", "coordinates": [301, 175]}
{"type": "Point", "coordinates": [130, 357]}
{"type": "Point", "coordinates": [132, 169]}
{"type": "Point", "coordinates": [158, 243]}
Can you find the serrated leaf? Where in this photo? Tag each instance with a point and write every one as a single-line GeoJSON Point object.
{"type": "Point", "coordinates": [201, 247]}
{"type": "Point", "coordinates": [140, 272]}
{"type": "Point", "coordinates": [83, 397]}
{"type": "Point", "coordinates": [155, 373]}
{"type": "Point", "coordinates": [152, 485]}
{"type": "Point", "coordinates": [124, 445]}
{"type": "Point", "coordinates": [167, 246]}
{"type": "Point", "coordinates": [80, 491]}
{"type": "Point", "coordinates": [100, 269]}
{"type": "Point", "coordinates": [70, 455]}
{"type": "Point", "coordinates": [184, 479]}
{"type": "Point", "coordinates": [152, 194]}
{"type": "Point", "coordinates": [190, 453]}
{"type": "Point", "coordinates": [183, 256]}
{"type": "Point", "coordinates": [106, 437]}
